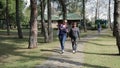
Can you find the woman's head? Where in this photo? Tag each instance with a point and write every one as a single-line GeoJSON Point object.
{"type": "Point", "coordinates": [65, 22]}
{"type": "Point", "coordinates": [74, 24]}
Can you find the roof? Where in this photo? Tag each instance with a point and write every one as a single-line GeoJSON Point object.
{"type": "Point", "coordinates": [70, 16]}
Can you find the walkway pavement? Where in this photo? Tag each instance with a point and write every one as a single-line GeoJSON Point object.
{"type": "Point", "coordinates": [67, 59]}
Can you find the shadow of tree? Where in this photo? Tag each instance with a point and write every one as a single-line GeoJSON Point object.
{"type": "Point", "coordinates": [107, 54]}
{"type": "Point", "coordinates": [51, 66]}
{"type": "Point", "coordinates": [50, 50]}
{"type": "Point", "coordinates": [10, 49]}
{"type": "Point", "coordinates": [59, 60]}
{"type": "Point", "coordinates": [72, 62]}
{"type": "Point", "coordinates": [99, 44]}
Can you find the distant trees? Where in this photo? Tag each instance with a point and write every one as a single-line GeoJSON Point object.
{"type": "Point", "coordinates": [11, 14]}
{"type": "Point", "coordinates": [47, 27]}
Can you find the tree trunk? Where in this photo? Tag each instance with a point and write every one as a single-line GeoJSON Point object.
{"type": "Point", "coordinates": [20, 35]}
{"type": "Point", "coordinates": [64, 11]}
{"type": "Point", "coordinates": [33, 25]}
{"type": "Point", "coordinates": [7, 18]}
{"type": "Point", "coordinates": [46, 38]}
{"type": "Point", "coordinates": [43, 8]}
{"type": "Point", "coordinates": [117, 21]}
{"type": "Point", "coordinates": [62, 2]}
{"type": "Point", "coordinates": [50, 30]}
{"type": "Point", "coordinates": [109, 15]}
{"type": "Point", "coordinates": [96, 11]}
{"type": "Point", "coordinates": [84, 20]}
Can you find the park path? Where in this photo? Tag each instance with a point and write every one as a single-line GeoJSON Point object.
{"type": "Point", "coordinates": [68, 59]}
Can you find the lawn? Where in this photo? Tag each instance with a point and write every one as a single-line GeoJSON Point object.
{"type": "Point", "coordinates": [98, 53]}
{"type": "Point", "coordinates": [101, 52]}
{"type": "Point", "coordinates": [14, 52]}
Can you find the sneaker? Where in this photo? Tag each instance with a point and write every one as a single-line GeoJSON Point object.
{"type": "Point", "coordinates": [73, 51]}
{"type": "Point", "coordinates": [62, 51]}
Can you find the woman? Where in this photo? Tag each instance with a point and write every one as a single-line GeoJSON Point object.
{"type": "Point", "coordinates": [62, 34]}
{"type": "Point", "coordinates": [74, 35]}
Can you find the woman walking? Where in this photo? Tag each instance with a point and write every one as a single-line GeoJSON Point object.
{"type": "Point", "coordinates": [74, 35]}
{"type": "Point", "coordinates": [62, 34]}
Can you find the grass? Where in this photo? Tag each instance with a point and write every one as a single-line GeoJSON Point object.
{"type": "Point", "coordinates": [20, 57]}
{"type": "Point", "coordinates": [99, 53]}
{"type": "Point", "coordinates": [14, 52]}
{"type": "Point", "coordinates": [102, 52]}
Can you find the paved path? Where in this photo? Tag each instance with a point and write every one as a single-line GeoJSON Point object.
{"type": "Point", "coordinates": [67, 59]}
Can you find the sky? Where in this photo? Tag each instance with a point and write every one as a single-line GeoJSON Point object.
{"type": "Point", "coordinates": [27, 4]}
{"type": "Point", "coordinates": [103, 9]}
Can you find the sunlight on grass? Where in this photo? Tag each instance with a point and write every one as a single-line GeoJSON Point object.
{"type": "Point", "coordinates": [14, 52]}
{"type": "Point", "coordinates": [21, 57]}
{"type": "Point", "coordinates": [102, 51]}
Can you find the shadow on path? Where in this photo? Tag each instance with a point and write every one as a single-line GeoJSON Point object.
{"type": "Point", "coordinates": [70, 62]}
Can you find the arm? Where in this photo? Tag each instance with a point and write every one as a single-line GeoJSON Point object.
{"type": "Point", "coordinates": [78, 31]}
{"type": "Point", "coordinates": [63, 28]}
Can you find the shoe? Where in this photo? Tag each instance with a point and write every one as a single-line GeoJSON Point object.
{"type": "Point", "coordinates": [62, 51]}
{"type": "Point", "coordinates": [73, 51]}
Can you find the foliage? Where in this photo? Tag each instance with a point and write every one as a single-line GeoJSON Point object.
{"type": "Point", "coordinates": [74, 7]}
{"type": "Point", "coordinates": [12, 11]}
{"type": "Point", "coordinates": [2, 9]}
{"type": "Point", "coordinates": [102, 22]}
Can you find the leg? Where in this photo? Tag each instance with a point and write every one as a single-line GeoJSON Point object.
{"type": "Point", "coordinates": [63, 40]}
{"type": "Point", "coordinates": [75, 44]}
{"type": "Point", "coordinates": [72, 41]}
{"type": "Point", "coordinates": [60, 39]}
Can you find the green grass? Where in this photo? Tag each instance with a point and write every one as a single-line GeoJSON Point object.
{"type": "Point", "coordinates": [14, 52]}
{"type": "Point", "coordinates": [101, 52]}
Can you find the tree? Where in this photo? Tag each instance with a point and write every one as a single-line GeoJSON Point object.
{"type": "Point", "coordinates": [96, 11]}
{"type": "Point", "coordinates": [2, 9]}
{"type": "Point", "coordinates": [33, 25]}
{"type": "Point", "coordinates": [117, 21]}
{"type": "Point", "coordinates": [62, 2]}
{"type": "Point", "coordinates": [84, 20]}
{"type": "Point", "coordinates": [7, 18]}
{"type": "Point", "coordinates": [50, 30]}
{"type": "Point", "coordinates": [109, 15]}
{"type": "Point", "coordinates": [44, 27]}
{"type": "Point", "coordinates": [20, 35]}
